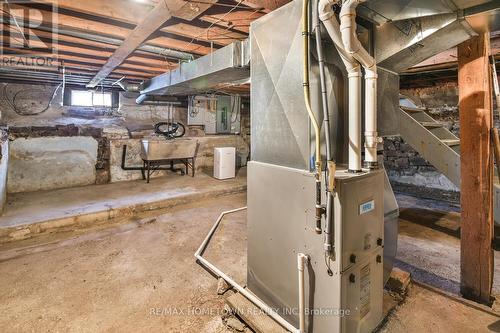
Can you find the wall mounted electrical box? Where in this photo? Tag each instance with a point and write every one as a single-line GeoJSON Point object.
{"type": "Point", "coordinates": [219, 114]}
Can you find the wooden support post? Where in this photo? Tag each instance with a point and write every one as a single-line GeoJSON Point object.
{"type": "Point", "coordinates": [476, 118]}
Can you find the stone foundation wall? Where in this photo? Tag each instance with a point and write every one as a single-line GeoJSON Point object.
{"type": "Point", "coordinates": [37, 164]}
{"type": "Point", "coordinates": [410, 173]}
{"type": "Point", "coordinates": [102, 174]}
{"type": "Point", "coordinates": [204, 159]}
{"type": "Point", "coordinates": [50, 157]}
{"type": "Point", "coordinates": [407, 170]}
{"type": "Point", "coordinates": [37, 98]}
{"type": "Point", "coordinates": [66, 146]}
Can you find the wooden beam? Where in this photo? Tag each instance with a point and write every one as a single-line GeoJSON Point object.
{"type": "Point", "coordinates": [142, 59]}
{"type": "Point", "coordinates": [128, 11]}
{"type": "Point", "coordinates": [237, 20]}
{"type": "Point", "coordinates": [215, 34]}
{"type": "Point", "coordinates": [450, 56]}
{"type": "Point", "coordinates": [86, 59]}
{"type": "Point", "coordinates": [267, 5]}
{"type": "Point", "coordinates": [153, 21]}
{"type": "Point", "coordinates": [121, 10]}
{"type": "Point", "coordinates": [71, 10]}
{"type": "Point", "coordinates": [68, 22]}
{"type": "Point", "coordinates": [476, 118]}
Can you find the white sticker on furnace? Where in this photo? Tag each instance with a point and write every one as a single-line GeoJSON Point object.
{"type": "Point", "coordinates": [366, 207]}
{"type": "Point", "coordinates": [364, 292]}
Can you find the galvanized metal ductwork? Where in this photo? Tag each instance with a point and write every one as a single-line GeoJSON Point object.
{"type": "Point", "coordinates": [284, 167]}
{"type": "Point", "coordinates": [128, 87]}
{"type": "Point", "coordinates": [228, 64]}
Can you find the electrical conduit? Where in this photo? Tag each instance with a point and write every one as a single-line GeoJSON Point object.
{"type": "Point", "coordinates": [331, 167]}
{"type": "Point", "coordinates": [314, 121]}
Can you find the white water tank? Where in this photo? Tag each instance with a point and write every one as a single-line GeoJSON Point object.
{"type": "Point", "coordinates": [225, 163]}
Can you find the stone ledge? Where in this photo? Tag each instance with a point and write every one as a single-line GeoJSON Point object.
{"type": "Point", "coordinates": [104, 216]}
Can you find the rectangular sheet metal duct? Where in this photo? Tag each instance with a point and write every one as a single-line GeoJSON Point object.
{"type": "Point", "coordinates": [226, 65]}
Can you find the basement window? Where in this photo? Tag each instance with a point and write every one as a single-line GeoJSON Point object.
{"type": "Point", "coordinates": [91, 98]}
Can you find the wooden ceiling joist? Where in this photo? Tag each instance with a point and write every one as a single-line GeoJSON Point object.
{"type": "Point", "coordinates": [71, 48]}
{"type": "Point", "coordinates": [237, 21]}
{"type": "Point", "coordinates": [88, 47]}
{"type": "Point", "coordinates": [127, 11]}
{"type": "Point", "coordinates": [217, 35]}
{"type": "Point", "coordinates": [116, 38]}
{"type": "Point", "coordinates": [88, 60]}
{"type": "Point", "coordinates": [153, 21]}
{"type": "Point", "coordinates": [96, 27]}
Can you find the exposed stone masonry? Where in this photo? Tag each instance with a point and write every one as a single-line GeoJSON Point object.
{"type": "Point", "coordinates": [103, 152]}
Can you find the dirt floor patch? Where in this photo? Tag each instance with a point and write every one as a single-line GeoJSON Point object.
{"type": "Point", "coordinates": [139, 279]}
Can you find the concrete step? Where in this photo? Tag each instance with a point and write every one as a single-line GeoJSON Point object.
{"type": "Point", "coordinates": [258, 321]}
{"type": "Point", "coordinates": [30, 215]}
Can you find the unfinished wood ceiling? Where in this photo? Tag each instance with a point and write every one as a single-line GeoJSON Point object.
{"type": "Point", "coordinates": [98, 42]}
{"type": "Point", "coordinates": [443, 67]}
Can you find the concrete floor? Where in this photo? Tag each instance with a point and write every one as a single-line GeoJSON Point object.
{"type": "Point", "coordinates": [429, 244]}
{"type": "Point", "coordinates": [30, 214]}
{"type": "Point", "coordinates": [427, 311]}
{"type": "Point", "coordinates": [138, 279]}
{"type": "Point", "coordinates": [141, 277]}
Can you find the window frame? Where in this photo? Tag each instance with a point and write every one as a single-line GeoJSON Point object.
{"type": "Point", "coordinates": [68, 98]}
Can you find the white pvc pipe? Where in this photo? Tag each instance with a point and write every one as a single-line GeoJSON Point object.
{"type": "Point", "coordinates": [355, 121]}
{"type": "Point", "coordinates": [251, 297]}
{"type": "Point", "coordinates": [327, 16]}
{"type": "Point", "coordinates": [301, 264]}
{"type": "Point", "coordinates": [353, 46]}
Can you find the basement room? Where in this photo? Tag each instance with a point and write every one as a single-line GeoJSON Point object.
{"type": "Point", "coordinates": [250, 166]}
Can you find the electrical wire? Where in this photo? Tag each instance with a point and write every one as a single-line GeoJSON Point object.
{"type": "Point", "coordinates": [15, 21]}
{"type": "Point", "coordinates": [237, 115]}
{"type": "Point", "coordinates": [220, 36]}
{"type": "Point", "coordinates": [13, 106]}
{"type": "Point", "coordinates": [211, 25]}
{"type": "Point", "coordinates": [222, 4]}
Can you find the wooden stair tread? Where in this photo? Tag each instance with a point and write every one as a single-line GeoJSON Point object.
{"type": "Point", "coordinates": [451, 142]}
{"type": "Point", "coordinates": [431, 124]}
{"type": "Point", "coordinates": [412, 109]}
